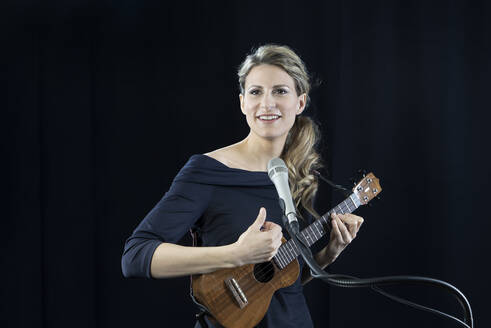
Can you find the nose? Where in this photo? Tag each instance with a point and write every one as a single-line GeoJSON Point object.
{"type": "Point", "coordinates": [268, 101]}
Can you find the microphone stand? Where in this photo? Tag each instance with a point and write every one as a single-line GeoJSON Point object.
{"type": "Point", "coordinates": [294, 232]}
{"type": "Point", "coordinates": [305, 252]}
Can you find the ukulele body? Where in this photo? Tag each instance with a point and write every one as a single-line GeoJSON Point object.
{"type": "Point", "coordinates": [239, 297]}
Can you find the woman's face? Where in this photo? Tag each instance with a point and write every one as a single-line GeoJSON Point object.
{"type": "Point", "coordinates": [270, 101]}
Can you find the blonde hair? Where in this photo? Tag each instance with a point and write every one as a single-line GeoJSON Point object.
{"type": "Point", "coordinates": [299, 152]}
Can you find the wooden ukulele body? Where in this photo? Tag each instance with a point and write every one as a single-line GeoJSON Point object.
{"type": "Point", "coordinates": [220, 295]}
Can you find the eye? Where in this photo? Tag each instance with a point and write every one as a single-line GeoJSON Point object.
{"type": "Point", "coordinates": [281, 91]}
{"type": "Point", "coordinates": [254, 92]}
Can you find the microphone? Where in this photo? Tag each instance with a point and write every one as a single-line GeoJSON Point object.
{"type": "Point", "coordinates": [278, 173]}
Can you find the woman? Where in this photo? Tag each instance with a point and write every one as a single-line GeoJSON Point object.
{"type": "Point", "coordinates": [227, 197]}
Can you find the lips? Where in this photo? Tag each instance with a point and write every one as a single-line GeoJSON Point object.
{"type": "Point", "coordinates": [268, 117]}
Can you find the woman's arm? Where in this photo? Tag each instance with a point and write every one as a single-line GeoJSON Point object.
{"type": "Point", "coordinates": [344, 228]}
{"type": "Point", "coordinates": [255, 245]}
{"type": "Point", "coordinates": [171, 260]}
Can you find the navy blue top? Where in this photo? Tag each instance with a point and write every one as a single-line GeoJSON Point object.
{"type": "Point", "coordinates": [220, 203]}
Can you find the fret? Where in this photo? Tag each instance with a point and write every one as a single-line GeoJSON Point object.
{"type": "Point", "coordinates": [324, 219]}
{"type": "Point", "coordinates": [286, 259]}
{"type": "Point", "coordinates": [347, 207]}
{"type": "Point", "coordinates": [356, 201]}
{"type": "Point", "coordinates": [350, 205]}
{"type": "Point", "coordinates": [285, 255]}
{"type": "Point", "coordinates": [353, 201]}
{"type": "Point", "coordinates": [291, 256]}
{"type": "Point", "coordinates": [306, 236]}
{"type": "Point", "coordinates": [313, 237]}
{"type": "Point", "coordinates": [311, 234]}
{"type": "Point", "coordinates": [295, 247]}
{"type": "Point", "coordinates": [282, 265]}
{"type": "Point", "coordinates": [292, 251]}
{"type": "Point", "coordinates": [280, 258]}
{"type": "Point", "coordinates": [278, 263]}
{"type": "Point", "coordinates": [320, 232]}
{"type": "Point", "coordinates": [282, 254]}
{"type": "Point", "coordinates": [310, 239]}
{"type": "Point", "coordinates": [275, 260]}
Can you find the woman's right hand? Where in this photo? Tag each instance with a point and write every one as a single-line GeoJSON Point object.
{"type": "Point", "coordinates": [260, 242]}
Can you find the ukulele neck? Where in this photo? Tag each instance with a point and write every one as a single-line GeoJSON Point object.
{"type": "Point", "coordinates": [289, 251]}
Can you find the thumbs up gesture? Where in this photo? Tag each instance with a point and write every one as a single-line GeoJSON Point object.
{"type": "Point", "coordinates": [260, 242]}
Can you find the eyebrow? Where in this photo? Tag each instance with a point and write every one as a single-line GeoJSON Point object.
{"type": "Point", "coordinates": [274, 86]}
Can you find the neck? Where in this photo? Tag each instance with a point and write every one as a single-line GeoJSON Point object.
{"type": "Point", "coordinates": [262, 150]}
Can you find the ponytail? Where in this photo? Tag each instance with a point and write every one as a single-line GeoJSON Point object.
{"type": "Point", "coordinates": [301, 158]}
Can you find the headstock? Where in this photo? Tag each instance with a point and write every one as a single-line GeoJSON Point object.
{"type": "Point", "coordinates": [368, 188]}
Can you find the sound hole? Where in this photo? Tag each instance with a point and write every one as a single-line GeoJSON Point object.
{"type": "Point", "coordinates": [264, 272]}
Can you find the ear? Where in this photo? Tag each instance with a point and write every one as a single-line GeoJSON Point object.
{"type": "Point", "coordinates": [302, 101]}
{"type": "Point", "coordinates": [241, 99]}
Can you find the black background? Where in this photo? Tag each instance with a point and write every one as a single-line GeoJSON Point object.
{"type": "Point", "coordinates": [106, 100]}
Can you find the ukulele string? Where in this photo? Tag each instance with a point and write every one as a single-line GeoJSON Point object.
{"type": "Point", "coordinates": [250, 285]}
{"type": "Point", "coordinates": [267, 270]}
{"type": "Point", "coordinates": [342, 208]}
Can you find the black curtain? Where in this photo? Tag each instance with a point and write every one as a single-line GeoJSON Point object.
{"type": "Point", "coordinates": [106, 100]}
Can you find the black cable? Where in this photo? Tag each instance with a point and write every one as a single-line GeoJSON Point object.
{"type": "Point", "coordinates": [398, 280]}
{"type": "Point", "coordinates": [346, 192]}
{"type": "Point", "coordinates": [374, 283]}
{"type": "Point", "coordinates": [417, 306]}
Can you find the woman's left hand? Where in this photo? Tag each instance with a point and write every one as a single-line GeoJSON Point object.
{"type": "Point", "coordinates": [344, 228]}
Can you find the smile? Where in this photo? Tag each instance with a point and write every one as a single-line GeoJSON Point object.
{"type": "Point", "coordinates": [268, 117]}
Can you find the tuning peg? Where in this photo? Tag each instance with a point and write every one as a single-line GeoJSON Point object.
{"type": "Point", "coordinates": [359, 175]}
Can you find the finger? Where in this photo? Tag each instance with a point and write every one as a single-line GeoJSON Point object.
{"type": "Point", "coordinates": [278, 243]}
{"type": "Point", "coordinates": [351, 222]}
{"type": "Point", "coordinates": [356, 221]}
{"type": "Point", "coordinates": [276, 233]}
{"type": "Point", "coordinates": [335, 230]}
{"type": "Point", "coordinates": [273, 227]}
{"type": "Point", "coordinates": [344, 219]}
{"type": "Point", "coordinates": [268, 225]}
{"type": "Point", "coordinates": [261, 217]}
{"type": "Point", "coordinates": [360, 222]}
{"type": "Point", "coordinates": [344, 231]}
{"type": "Point", "coordinates": [333, 215]}
{"type": "Point", "coordinates": [279, 235]}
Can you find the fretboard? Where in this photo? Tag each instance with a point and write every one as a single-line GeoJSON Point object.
{"type": "Point", "coordinates": [289, 250]}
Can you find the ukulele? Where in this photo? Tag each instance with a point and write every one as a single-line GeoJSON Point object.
{"type": "Point", "coordinates": [239, 297]}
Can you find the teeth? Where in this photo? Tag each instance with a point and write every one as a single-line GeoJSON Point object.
{"type": "Point", "coordinates": [268, 117]}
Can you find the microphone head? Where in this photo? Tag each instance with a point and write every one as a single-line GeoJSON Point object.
{"type": "Point", "coordinates": [276, 166]}
{"type": "Point", "coordinates": [278, 173]}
